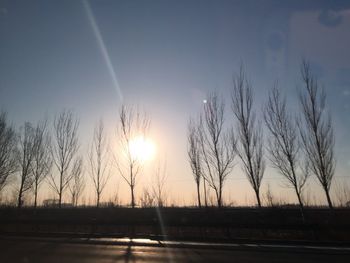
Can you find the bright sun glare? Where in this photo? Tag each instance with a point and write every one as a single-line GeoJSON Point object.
{"type": "Point", "coordinates": [142, 148]}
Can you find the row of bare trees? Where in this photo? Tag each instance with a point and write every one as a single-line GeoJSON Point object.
{"type": "Point", "coordinates": [34, 155]}
{"type": "Point", "coordinates": [64, 152]}
{"type": "Point", "coordinates": [8, 153]}
{"type": "Point", "coordinates": [34, 159]}
{"type": "Point", "coordinates": [298, 145]}
{"type": "Point", "coordinates": [31, 155]}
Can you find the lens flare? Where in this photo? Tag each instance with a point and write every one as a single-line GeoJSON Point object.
{"type": "Point", "coordinates": [103, 49]}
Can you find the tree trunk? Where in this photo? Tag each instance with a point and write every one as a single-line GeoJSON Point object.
{"type": "Point", "coordinates": [219, 202]}
{"type": "Point", "coordinates": [98, 200]}
{"type": "Point", "coordinates": [132, 196]}
{"type": "Point", "coordinates": [199, 196]}
{"type": "Point", "coordinates": [218, 197]}
{"type": "Point", "coordinates": [35, 195]}
{"type": "Point", "coordinates": [301, 205]}
{"type": "Point", "coordinates": [59, 199]}
{"type": "Point", "coordinates": [328, 198]}
{"type": "Point", "coordinates": [19, 203]}
{"type": "Point", "coordinates": [61, 189]}
{"type": "Point", "coordinates": [258, 198]}
{"type": "Point", "coordinates": [205, 194]}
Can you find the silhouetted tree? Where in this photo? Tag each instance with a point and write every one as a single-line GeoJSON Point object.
{"type": "Point", "coordinates": [147, 199]}
{"type": "Point", "coordinates": [42, 160]}
{"type": "Point", "coordinates": [8, 151]}
{"type": "Point", "coordinates": [194, 155]}
{"type": "Point", "coordinates": [27, 145]}
{"type": "Point", "coordinates": [250, 138]}
{"type": "Point", "coordinates": [99, 161]}
{"type": "Point", "coordinates": [317, 131]}
{"type": "Point", "coordinates": [284, 144]}
{"type": "Point", "coordinates": [217, 145]}
{"type": "Point", "coordinates": [342, 193]}
{"type": "Point", "coordinates": [77, 183]}
{"type": "Point", "coordinates": [158, 184]}
{"type": "Point", "coordinates": [64, 151]}
{"type": "Point", "coordinates": [132, 124]}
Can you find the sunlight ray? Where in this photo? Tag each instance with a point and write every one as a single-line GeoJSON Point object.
{"type": "Point", "coordinates": [103, 48]}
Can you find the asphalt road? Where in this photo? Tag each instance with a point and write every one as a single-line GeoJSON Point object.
{"type": "Point", "coordinates": [26, 250]}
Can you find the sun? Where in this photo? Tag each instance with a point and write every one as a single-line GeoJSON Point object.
{"type": "Point", "coordinates": [142, 149]}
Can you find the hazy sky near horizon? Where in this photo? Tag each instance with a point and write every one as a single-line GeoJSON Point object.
{"type": "Point", "coordinates": [165, 56]}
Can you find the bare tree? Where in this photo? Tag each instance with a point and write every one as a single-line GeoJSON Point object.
{"type": "Point", "coordinates": [194, 155]}
{"type": "Point", "coordinates": [158, 185]}
{"type": "Point", "coordinates": [250, 137]}
{"type": "Point", "coordinates": [27, 144]}
{"type": "Point", "coordinates": [42, 160]}
{"type": "Point", "coordinates": [64, 151]}
{"type": "Point", "coordinates": [317, 131]}
{"type": "Point", "coordinates": [147, 199]}
{"type": "Point", "coordinates": [132, 124]}
{"type": "Point", "coordinates": [342, 193]}
{"type": "Point", "coordinates": [77, 183]}
{"type": "Point", "coordinates": [8, 151]}
{"type": "Point", "coordinates": [284, 144]}
{"type": "Point", "coordinates": [217, 145]}
{"type": "Point", "coordinates": [99, 161]}
{"type": "Point", "coordinates": [270, 199]}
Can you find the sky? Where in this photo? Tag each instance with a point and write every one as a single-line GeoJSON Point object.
{"type": "Point", "coordinates": [165, 56]}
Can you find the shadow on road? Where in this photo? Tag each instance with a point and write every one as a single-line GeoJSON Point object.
{"type": "Point", "coordinates": [129, 257]}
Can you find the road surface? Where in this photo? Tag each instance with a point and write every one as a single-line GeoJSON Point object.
{"type": "Point", "coordinates": [24, 250]}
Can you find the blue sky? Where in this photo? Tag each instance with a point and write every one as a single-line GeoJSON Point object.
{"type": "Point", "coordinates": [166, 55]}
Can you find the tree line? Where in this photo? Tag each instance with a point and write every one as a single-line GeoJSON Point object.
{"type": "Point", "coordinates": [37, 153]}
{"type": "Point", "coordinates": [297, 146]}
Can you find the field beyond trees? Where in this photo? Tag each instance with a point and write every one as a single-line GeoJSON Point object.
{"type": "Point", "coordinates": [210, 224]}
